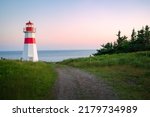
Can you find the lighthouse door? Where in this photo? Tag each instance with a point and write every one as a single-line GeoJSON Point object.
{"type": "Point", "coordinates": [30, 58]}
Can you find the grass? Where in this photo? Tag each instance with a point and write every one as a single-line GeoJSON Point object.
{"type": "Point", "coordinates": [128, 74]}
{"type": "Point", "coordinates": [26, 80]}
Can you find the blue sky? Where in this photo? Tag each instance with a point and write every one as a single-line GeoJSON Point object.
{"type": "Point", "coordinates": [70, 24]}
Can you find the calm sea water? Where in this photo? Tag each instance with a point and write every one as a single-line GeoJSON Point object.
{"type": "Point", "coordinates": [50, 55]}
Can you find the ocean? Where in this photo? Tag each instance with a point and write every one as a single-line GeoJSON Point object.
{"type": "Point", "coordinates": [50, 55]}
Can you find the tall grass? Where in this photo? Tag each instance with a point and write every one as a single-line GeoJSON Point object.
{"type": "Point", "coordinates": [26, 80]}
{"type": "Point", "coordinates": [128, 74]}
{"type": "Point", "coordinates": [138, 59]}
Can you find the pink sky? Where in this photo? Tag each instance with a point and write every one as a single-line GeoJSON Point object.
{"type": "Point", "coordinates": [74, 24]}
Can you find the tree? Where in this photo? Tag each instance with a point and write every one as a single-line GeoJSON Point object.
{"type": "Point", "coordinates": [140, 41]}
{"type": "Point", "coordinates": [132, 41]}
{"type": "Point", "coordinates": [121, 43]}
{"type": "Point", "coordinates": [147, 38]}
{"type": "Point", "coordinates": [106, 49]}
{"type": "Point", "coordinates": [133, 36]}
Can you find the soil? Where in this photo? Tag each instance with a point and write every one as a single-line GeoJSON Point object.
{"type": "Point", "coordinates": [75, 84]}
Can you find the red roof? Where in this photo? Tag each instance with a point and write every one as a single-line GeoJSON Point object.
{"type": "Point", "coordinates": [29, 23]}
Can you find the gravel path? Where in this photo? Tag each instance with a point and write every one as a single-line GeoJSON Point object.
{"type": "Point", "coordinates": [74, 84]}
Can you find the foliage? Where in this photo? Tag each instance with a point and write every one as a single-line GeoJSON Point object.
{"type": "Point", "coordinates": [139, 41]}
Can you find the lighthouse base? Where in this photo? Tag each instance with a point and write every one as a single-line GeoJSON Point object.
{"type": "Point", "coordinates": [30, 52]}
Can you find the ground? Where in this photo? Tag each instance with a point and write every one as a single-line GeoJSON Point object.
{"type": "Point", "coordinates": [75, 84]}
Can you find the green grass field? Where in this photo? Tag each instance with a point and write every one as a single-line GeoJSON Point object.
{"type": "Point", "coordinates": [128, 73]}
{"type": "Point", "coordinates": [26, 80]}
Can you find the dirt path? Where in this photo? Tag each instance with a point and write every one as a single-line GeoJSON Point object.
{"type": "Point", "coordinates": [74, 84]}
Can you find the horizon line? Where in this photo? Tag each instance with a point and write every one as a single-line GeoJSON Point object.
{"type": "Point", "coordinates": [49, 50]}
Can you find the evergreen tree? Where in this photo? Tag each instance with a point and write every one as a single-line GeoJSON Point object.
{"type": "Point", "coordinates": [147, 38]}
{"type": "Point", "coordinates": [133, 36]}
{"type": "Point", "coordinates": [121, 43]}
{"type": "Point", "coordinates": [132, 41]}
{"type": "Point", "coordinates": [139, 41]}
{"type": "Point", "coordinates": [106, 49]}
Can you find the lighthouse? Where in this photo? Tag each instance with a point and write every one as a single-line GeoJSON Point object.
{"type": "Point", "coordinates": [30, 49]}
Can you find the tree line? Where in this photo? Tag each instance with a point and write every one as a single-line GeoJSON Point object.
{"type": "Point", "coordinates": [139, 41]}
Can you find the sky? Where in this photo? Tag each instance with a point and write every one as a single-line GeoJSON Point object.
{"type": "Point", "coordinates": [70, 24]}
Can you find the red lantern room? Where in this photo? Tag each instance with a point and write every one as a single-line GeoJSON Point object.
{"type": "Point", "coordinates": [29, 27]}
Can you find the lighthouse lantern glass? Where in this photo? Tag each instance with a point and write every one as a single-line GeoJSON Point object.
{"type": "Point", "coordinates": [29, 27]}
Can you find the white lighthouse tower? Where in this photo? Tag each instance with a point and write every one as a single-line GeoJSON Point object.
{"type": "Point", "coordinates": [30, 49]}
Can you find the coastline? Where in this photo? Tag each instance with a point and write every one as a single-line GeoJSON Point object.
{"type": "Point", "coordinates": [50, 55]}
